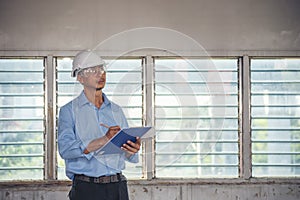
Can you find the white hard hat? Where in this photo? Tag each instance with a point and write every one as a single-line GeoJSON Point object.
{"type": "Point", "coordinates": [85, 59]}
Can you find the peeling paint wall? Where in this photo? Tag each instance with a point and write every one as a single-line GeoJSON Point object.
{"type": "Point", "coordinates": [215, 192]}
{"type": "Point", "coordinates": [215, 24]}
{"type": "Point", "coordinates": [156, 191]}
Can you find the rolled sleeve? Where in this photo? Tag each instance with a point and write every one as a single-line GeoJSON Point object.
{"type": "Point", "coordinates": [89, 155]}
{"type": "Point", "coordinates": [134, 158]}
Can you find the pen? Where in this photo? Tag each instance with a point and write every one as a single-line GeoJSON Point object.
{"type": "Point", "coordinates": [106, 126]}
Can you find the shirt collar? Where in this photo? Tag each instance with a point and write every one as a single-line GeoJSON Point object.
{"type": "Point", "coordinates": [83, 99]}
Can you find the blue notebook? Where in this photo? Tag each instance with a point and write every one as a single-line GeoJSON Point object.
{"type": "Point", "coordinates": [113, 146]}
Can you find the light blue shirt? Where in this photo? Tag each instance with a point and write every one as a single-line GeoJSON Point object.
{"type": "Point", "coordinates": [79, 124]}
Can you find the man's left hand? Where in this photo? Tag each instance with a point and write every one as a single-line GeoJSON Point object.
{"type": "Point", "coordinates": [131, 148]}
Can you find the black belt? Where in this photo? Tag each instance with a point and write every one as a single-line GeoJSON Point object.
{"type": "Point", "coordinates": [102, 179]}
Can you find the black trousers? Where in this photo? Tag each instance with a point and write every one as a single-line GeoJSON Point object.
{"type": "Point", "coordinates": [82, 190]}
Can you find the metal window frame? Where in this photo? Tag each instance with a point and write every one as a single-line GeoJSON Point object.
{"type": "Point", "coordinates": [50, 172]}
{"type": "Point", "coordinates": [238, 118]}
{"type": "Point", "coordinates": [148, 117]}
{"type": "Point", "coordinates": [245, 165]}
{"type": "Point", "coordinates": [273, 57]}
{"type": "Point", "coordinates": [24, 57]}
{"type": "Point", "coordinates": [244, 109]}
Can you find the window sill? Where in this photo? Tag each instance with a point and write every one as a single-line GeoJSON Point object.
{"type": "Point", "coordinates": [63, 184]}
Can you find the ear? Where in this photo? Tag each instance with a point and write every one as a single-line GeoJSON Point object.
{"type": "Point", "coordinates": [80, 79]}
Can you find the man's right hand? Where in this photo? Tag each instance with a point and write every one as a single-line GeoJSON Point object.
{"type": "Point", "coordinates": [99, 142]}
{"type": "Point", "coordinates": [113, 130]}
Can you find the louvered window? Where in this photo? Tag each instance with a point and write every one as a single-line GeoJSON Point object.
{"type": "Point", "coordinates": [196, 117]}
{"type": "Point", "coordinates": [193, 104]}
{"type": "Point", "coordinates": [21, 118]}
{"type": "Point", "coordinates": [275, 112]}
{"type": "Point", "coordinates": [123, 86]}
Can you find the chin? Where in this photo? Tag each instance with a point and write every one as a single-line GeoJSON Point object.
{"type": "Point", "coordinates": [101, 85]}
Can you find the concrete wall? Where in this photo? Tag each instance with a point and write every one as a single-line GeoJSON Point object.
{"type": "Point", "coordinates": [170, 190]}
{"type": "Point", "coordinates": [215, 24]}
{"type": "Point", "coordinates": [59, 26]}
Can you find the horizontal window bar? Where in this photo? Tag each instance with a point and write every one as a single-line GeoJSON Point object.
{"type": "Point", "coordinates": [131, 107]}
{"type": "Point", "coordinates": [197, 165]}
{"type": "Point", "coordinates": [21, 71]}
{"type": "Point", "coordinates": [21, 131]}
{"type": "Point", "coordinates": [275, 117]}
{"type": "Point", "coordinates": [21, 119]}
{"type": "Point", "coordinates": [275, 70]}
{"type": "Point", "coordinates": [202, 129]}
{"type": "Point", "coordinates": [197, 141]}
{"type": "Point", "coordinates": [21, 143]}
{"type": "Point", "coordinates": [108, 83]}
{"type": "Point", "coordinates": [193, 118]}
{"type": "Point", "coordinates": [197, 94]}
{"type": "Point", "coordinates": [21, 155]}
{"type": "Point", "coordinates": [21, 94]}
{"type": "Point", "coordinates": [275, 82]}
{"type": "Point", "coordinates": [123, 71]}
{"type": "Point", "coordinates": [67, 95]}
{"type": "Point", "coordinates": [158, 83]}
{"type": "Point", "coordinates": [20, 107]}
{"type": "Point", "coordinates": [275, 93]}
{"type": "Point", "coordinates": [22, 83]}
{"type": "Point", "coordinates": [20, 168]}
{"type": "Point", "coordinates": [274, 129]}
{"type": "Point", "coordinates": [274, 105]}
{"type": "Point", "coordinates": [133, 118]}
{"type": "Point", "coordinates": [274, 165]}
{"type": "Point", "coordinates": [195, 153]}
{"type": "Point", "coordinates": [200, 95]}
{"type": "Point", "coordinates": [199, 106]}
{"type": "Point", "coordinates": [275, 141]}
{"type": "Point", "coordinates": [275, 153]}
{"type": "Point", "coordinates": [195, 70]}
{"type": "Point", "coordinates": [108, 94]}
{"type": "Point", "coordinates": [108, 71]}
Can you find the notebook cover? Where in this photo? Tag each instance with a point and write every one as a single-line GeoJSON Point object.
{"type": "Point", "coordinates": [114, 145]}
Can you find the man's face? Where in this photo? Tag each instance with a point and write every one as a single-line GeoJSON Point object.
{"type": "Point", "coordinates": [93, 77]}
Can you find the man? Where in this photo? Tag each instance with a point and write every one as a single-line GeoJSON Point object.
{"type": "Point", "coordinates": [85, 125]}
